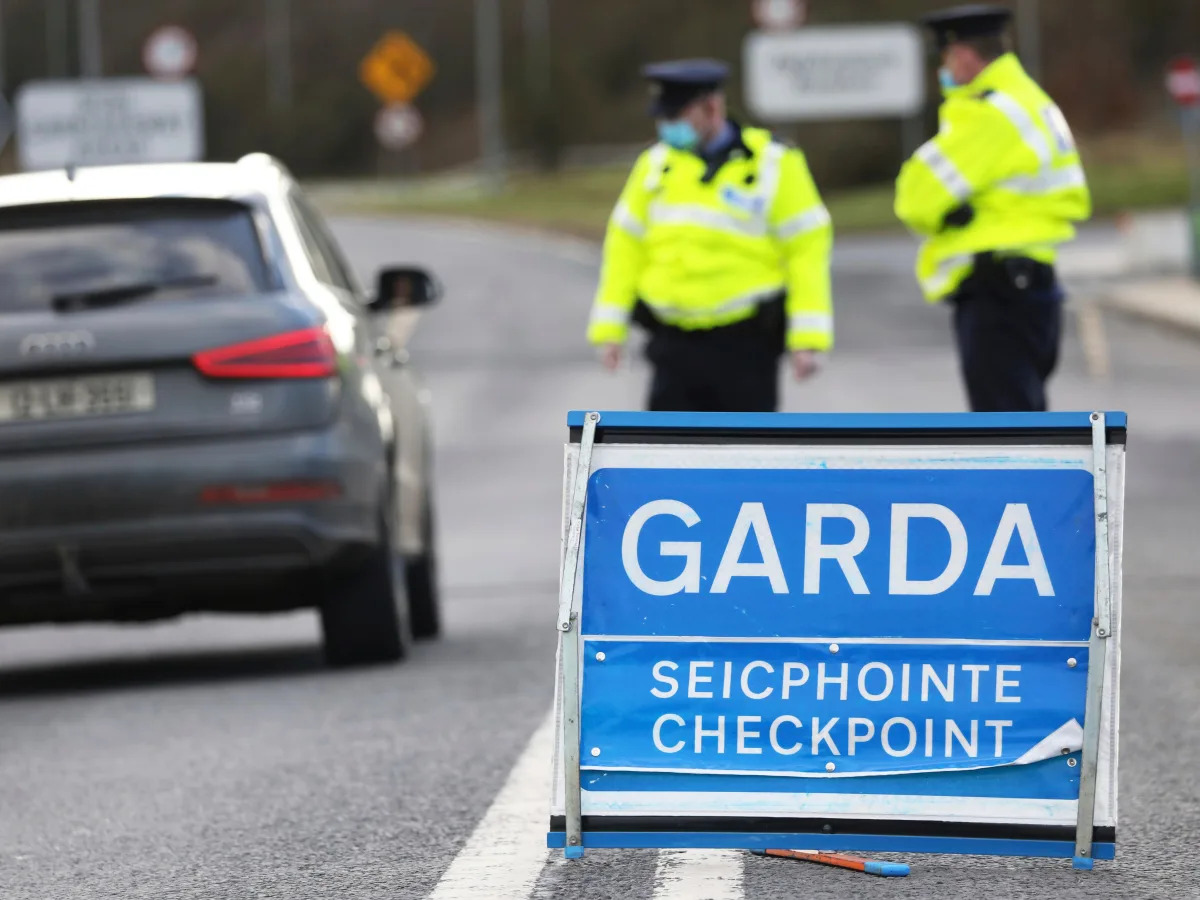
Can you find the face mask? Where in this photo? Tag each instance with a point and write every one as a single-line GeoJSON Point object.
{"type": "Point", "coordinates": [947, 79]}
{"type": "Point", "coordinates": [680, 134]}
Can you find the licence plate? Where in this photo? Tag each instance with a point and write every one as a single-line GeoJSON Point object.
{"type": "Point", "coordinates": [74, 398]}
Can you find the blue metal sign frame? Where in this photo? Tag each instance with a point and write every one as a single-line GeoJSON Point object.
{"type": "Point", "coordinates": [661, 793]}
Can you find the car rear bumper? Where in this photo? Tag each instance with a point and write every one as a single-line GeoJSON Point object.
{"type": "Point", "coordinates": [127, 533]}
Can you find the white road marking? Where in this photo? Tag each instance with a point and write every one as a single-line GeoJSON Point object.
{"type": "Point", "coordinates": [699, 875]}
{"type": "Point", "coordinates": [1094, 338]}
{"type": "Point", "coordinates": [507, 851]}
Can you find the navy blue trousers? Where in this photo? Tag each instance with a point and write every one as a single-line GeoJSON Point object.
{"type": "Point", "coordinates": [730, 369]}
{"type": "Point", "coordinates": [1008, 345]}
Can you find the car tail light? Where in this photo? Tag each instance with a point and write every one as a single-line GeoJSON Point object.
{"type": "Point", "coordinates": [308, 353]}
{"type": "Point", "coordinates": [270, 492]}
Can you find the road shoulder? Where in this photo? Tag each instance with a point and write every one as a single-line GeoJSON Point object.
{"type": "Point", "coordinates": [1173, 301]}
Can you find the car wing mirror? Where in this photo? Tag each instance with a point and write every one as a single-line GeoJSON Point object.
{"type": "Point", "coordinates": [404, 287]}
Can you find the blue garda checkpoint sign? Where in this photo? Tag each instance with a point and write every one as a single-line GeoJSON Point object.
{"type": "Point", "coordinates": [840, 632]}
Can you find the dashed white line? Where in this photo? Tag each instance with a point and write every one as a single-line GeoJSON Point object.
{"type": "Point", "coordinates": [507, 851]}
{"type": "Point", "coordinates": [699, 875]}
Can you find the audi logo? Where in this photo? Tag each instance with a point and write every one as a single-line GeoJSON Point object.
{"type": "Point", "coordinates": [57, 343]}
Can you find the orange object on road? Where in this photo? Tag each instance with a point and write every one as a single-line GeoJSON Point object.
{"type": "Point", "coordinates": [841, 860]}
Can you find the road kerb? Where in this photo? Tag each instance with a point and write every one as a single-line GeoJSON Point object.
{"type": "Point", "coordinates": [1174, 302]}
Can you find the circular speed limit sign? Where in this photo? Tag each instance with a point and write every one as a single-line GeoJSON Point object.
{"type": "Point", "coordinates": [780, 14]}
{"type": "Point", "coordinates": [398, 125]}
{"type": "Point", "coordinates": [169, 52]}
{"type": "Point", "coordinates": [1183, 81]}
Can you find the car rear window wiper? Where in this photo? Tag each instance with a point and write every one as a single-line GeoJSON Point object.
{"type": "Point", "coordinates": [111, 295]}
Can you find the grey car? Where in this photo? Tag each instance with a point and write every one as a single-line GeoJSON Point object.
{"type": "Point", "coordinates": [202, 410]}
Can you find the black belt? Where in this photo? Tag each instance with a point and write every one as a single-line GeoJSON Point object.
{"type": "Point", "coordinates": [769, 317]}
{"type": "Point", "coordinates": [1011, 276]}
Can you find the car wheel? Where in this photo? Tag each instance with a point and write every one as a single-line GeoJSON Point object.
{"type": "Point", "coordinates": [361, 615]}
{"type": "Point", "coordinates": [421, 574]}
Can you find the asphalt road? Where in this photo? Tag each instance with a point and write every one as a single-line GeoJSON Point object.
{"type": "Point", "coordinates": [216, 757]}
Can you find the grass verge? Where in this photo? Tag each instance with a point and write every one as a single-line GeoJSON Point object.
{"type": "Point", "coordinates": [1125, 172]}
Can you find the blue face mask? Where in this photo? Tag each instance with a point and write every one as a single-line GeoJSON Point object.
{"type": "Point", "coordinates": [946, 78]}
{"type": "Point", "coordinates": [678, 134]}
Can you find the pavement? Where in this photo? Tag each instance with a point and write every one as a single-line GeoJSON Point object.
{"type": "Point", "coordinates": [215, 757]}
{"type": "Point", "coordinates": [1140, 268]}
{"type": "Point", "coordinates": [1173, 302]}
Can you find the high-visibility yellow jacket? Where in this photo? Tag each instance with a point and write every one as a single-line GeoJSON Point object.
{"type": "Point", "coordinates": [705, 254]}
{"type": "Point", "coordinates": [1004, 149]}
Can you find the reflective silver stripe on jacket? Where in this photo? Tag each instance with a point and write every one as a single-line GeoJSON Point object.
{"type": "Point", "coordinates": [608, 315]}
{"type": "Point", "coordinates": [936, 283]}
{"type": "Point", "coordinates": [755, 225]}
{"type": "Point", "coordinates": [658, 158]}
{"type": "Point", "coordinates": [810, 220]}
{"type": "Point", "coordinates": [769, 172]}
{"type": "Point", "coordinates": [706, 217]}
{"type": "Point", "coordinates": [1033, 137]}
{"type": "Point", "coordinates": [624, 218]}
{"type": "Point", "coordinates": [944, 170]}
{"type": "Point", "coordinates": [1046, 181]}
{"type": "Point", "coordinates": [731, 305]}
{"type": "Point", "coordinates": [819, 322]}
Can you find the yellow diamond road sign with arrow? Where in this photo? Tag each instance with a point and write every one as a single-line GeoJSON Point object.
{"type": "Point", "coordinates": [396, 69]}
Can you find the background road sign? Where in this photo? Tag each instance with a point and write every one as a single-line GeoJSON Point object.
{"type": "Point", "coordinates": [169, 52]}
{"type": "Point", "coordinates": [398, 125]}
{"type": "Point", "coordinates": [107, 121]}
{"type": "Point", "coordinates": [780, 14]}
{"type": "Point", "coordinates": [777, 634]}
{"type": "Point", "coordinates": [396, 69]}
{"type": "Point", "coordinates": [1183, 81]}
{"type": "Point", "coordinates": [835, 72]}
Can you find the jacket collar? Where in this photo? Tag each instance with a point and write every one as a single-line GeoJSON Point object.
{"type": "Point", "coordinates": [994, 76]}
{"type": "Point", "coordinates": [729, 136]}
{"type": "Point", "coordinates": [734, 148]}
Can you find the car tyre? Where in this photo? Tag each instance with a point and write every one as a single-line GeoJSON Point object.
{"type": "Point", "coordinates": [362, 616]}
{"type": "Point", "coordinates": [421, 575]}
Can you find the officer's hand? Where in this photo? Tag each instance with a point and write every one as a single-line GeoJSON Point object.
{"type": "Point", "coordinates": [804, 364]}
{"type": "Point", "coordinates": [959, 217]}
{"type": "Point", "coordinates": [610, 355]}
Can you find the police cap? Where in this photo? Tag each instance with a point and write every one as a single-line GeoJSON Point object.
{"type": "Point", "coordinates": [677, 83]}
{"type": "Point", "coordinates": [963, 23]}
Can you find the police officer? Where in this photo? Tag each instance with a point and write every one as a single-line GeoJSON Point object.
{"type": "Point", "coordinates": [719, 245]}
{"type": "Point", "coordinates": [993, 194]}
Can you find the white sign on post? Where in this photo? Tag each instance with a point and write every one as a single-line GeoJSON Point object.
{"type": "Point", "coordinates": [169, 52]}
{"type": "Point", "coordinates": [108, 121]}
{"type": "Point", "coordinates": [835, 72]}
{"type": "Point", "coordinates": [398, 126]}
{"type": "Point", "coordinates": [780, 14]}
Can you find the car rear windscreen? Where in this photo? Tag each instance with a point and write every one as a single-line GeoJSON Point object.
{"type": "Point", "coordinates": [147, 249]}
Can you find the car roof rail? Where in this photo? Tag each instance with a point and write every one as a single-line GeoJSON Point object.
{"type": "Point", "coordinates": [266, 161]}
